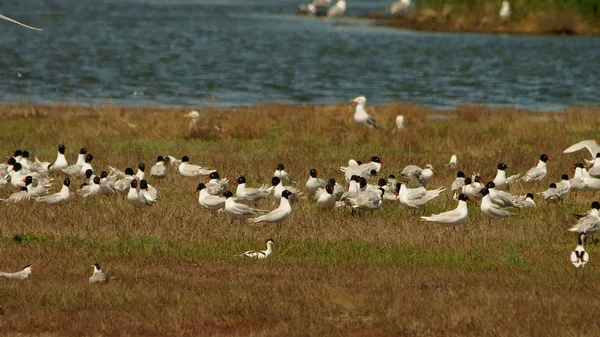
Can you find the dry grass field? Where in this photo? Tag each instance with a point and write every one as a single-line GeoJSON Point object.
{"type": "Point", "coordinates": [380, 274]}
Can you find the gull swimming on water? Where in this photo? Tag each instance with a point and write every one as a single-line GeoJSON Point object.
{"type": "Point", "coordinates": [17, 22]}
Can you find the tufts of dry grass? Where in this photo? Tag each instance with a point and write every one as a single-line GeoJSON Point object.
{"type": "Point", "coordinates": [376, 274]}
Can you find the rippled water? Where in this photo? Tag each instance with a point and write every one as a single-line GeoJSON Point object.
{"type": "Point", "coordinates": [236, 52]}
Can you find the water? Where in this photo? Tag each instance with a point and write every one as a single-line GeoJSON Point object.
{"type": "Point", "coordinates": [240, 52]}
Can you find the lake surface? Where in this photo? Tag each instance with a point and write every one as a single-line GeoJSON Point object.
{"type": "Point", "coordinates": [240, 52]}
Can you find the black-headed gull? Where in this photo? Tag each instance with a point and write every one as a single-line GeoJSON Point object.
{"type": "Point", "coordinates": [415, 197]}
{"type": "Point", "coordinates": [459, 182]}
{"type": "Point", "coordinates": [501, 180]}
{"type": "Point", "coordinates": [279, 187]}
{"type": "Point", "coordinates": [61, 161]}
{"type": "Point", "coordinates": [282, 174]}
{"type": "Point", "coordinates": [490, 209]}
{"type": "Point", "coordinates": [280, 213]}
{"type": "Point", "coordinates": [159, 170]}
{"type": "Point", "coordinates": [551, 194]}
{"type": "Point", "coordinates": [216, 185]}
{"type": "Point", "coordinates": [208, 200]}
{"type": "Point", "coordinates": [87, 165]}
{"type": "Point", "coordinates": [188, 170]}
{"type": "Point", "coordinates": [237, 210]}
{"type": "Point", "coordinates": [90, 190]}
{"type": "Point", "coordinates": [248, 194]}
{"type": "Point", "coordinates": [590, 222]}
{"type": "Point", "coordinates": [501, 198]}
{"type": "Point", "coordinates": [141, 172]}
{"type": "Point", "coordinates": [539, 172]}
{"type": "Point", "coordinates": [456, 216]}
{"type": "Point", "coordinates": [314, 182]}
{"type": "Point", "coordinates": [58, 198]}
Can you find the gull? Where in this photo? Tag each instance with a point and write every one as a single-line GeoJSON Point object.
{"type": "Point", "coordinates": [141, 172]}
{"type": "Point", "coordinates": [61, 161]}
{"type": "Point", "coordinates": [188, 170]}
{"type": "Point", "coordinates": [208, 200]}
{"type": "Point", "coordinates": [57, 198]}
{"type": "Point", "coordinates": [370, 200]}
{"type": "Point", "coordinates": [159, 170]}
{"type": "Point", "coordinates": [501, 181]}
{"type": "Point", "coordinates": [260, 254]}
{"type": "Point", "coordinates": [551, 194]}
{"type": "Point", "coordinates": [399, 122]}
{"type": "Point", "coordinates": [361, 116]}
{"type": "Point", "coordinates": [36, 191]}
{"type": "Point", "coordinates": [237, 210]}
{"type": "Point", "coordinates": [147, 193]}
{"type": "Point", "coordinates": [472, 188]}
{"type": "Point", "coordinates": [98, 276]}
{"type": "Point", "coordinates": [579, 257]}
{"type": "Point", "coordinates": [338, 190]}
{"type": "Point", "coordinates": [415, 197]}
{"type": "Point", "coordinates": [413, 176]}
{"type": "Point", "coordinates": [282, 174]}
{"type": "Point", "coordinates": [590, 222]}
{"type": "Point", "coordinates": [362, 170]}
{"type": "Point", "coordinates": [194, 117]}
{"type": "Point", "coordinates": [174, 161]}
{"type": "Point", "coordinates": [564, 185]}
{"type": "Point", "coordinates": [17, 22]}
{"type": "Point", "coordinates": [16, 197]}
{"type": "Point", "coordinates": [353, 190]}
{"type": "Point", "coordinates": [326, 199]}
{"type": "Point", "coordinates": [539, 172]}
{"type": "Point", "coordinates": [459, 182]}
{"type": "Point", "coordinates": [589, 181]}
{"type": "Point", "coordinates": [89, 177]}
{"type": "Point", "coordinates": [91, 189]}
{"type": "Point", "coordinates": [17, 179]}
{"type": "Point", "coordinates": [594, 171]}
{"type": "Point", "coordinates": [453, 161]}
{"type": "Point", "coordinates": [81, 156]}
{"type": "Point", "coordinates": [87, 165]}
{"type": "Point", "coordinates": [389, 193]}
{"type": "Point", "coordinates": [456, 216]}
{"type": "Point", "coordinates": [279, 188]}
{"type": "Point", "coordinates": [501, 198]}
{"type": "Point", "coordinates": [250, 195]}
{"type": "Point", "coordinates": [504, 12]}
{"type": "Point", "coordinates": [401, 7]}
{"type": "Point", "coordinates": [577, 183]}
{"type": "Point", "coordinates": [20, 275]}
{"type": "Point", "coordinates": [527, 201]}
{"type": "Point", "coordinates": [590, 145]}
{"type": "Point", "coordinates": [135, 198]}
{"type": "Point", "coordinates": [490, 209]}
{"type": "Point", "coordinates": [107, 183]}
{"type": "Point", "coordinates": [216, 185]}
{"type": "Point", "coordinates": [337, 10]}
{"type": "Point", "coordinates": [280, 213]}
{"type": "Point", "coordinates": [76, 168]}
{"type": "Point", "coordinates": [122, 185]}
{"type": "Point", "coordinates": [314, 182]}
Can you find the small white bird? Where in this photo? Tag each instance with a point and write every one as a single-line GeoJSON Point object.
{"type": "Point", "coordinates": [280, 213]}
{"type": "Point", "coordinates": [527, 201]}
{"type": "Point", "coordinates": [147, 193]}
{"type": "Point", "coordinates": [37, 191]}
{"type": "Point", "coordinates": [369, 200]}
{"type": "Point", "coordinates": [579, 257]}
{"type": "Point", "coordinates": [58, 198]}
{"type": "Point", "coordinates": [141, 172]}
{"type": "Point", "coordinates": [159, 170]}
{"type": "Point", "coordinates": [501, 198]}
{"type": "Point", "coordinates": [326, 198]}
{"type": "Point", "coordinates": [250, 195]}
{"type": "Point", "coordinates": [16, 197]}
{"type": "Point", "coordinates": [337, 10]}
{"type": "Point", "coordinates": [551, 194]}
{"type": "Point", "coordinates": [401, 7]}
{"type": "Point", "coordinates": [61, 161]}
{"type": "Point", "coordinates": [87, 165]}
{"type": "Point", "coordinates": [413, 176]}
{"type": "Point", "coordinates": [338, 190]}
{"type": "Point", "coordinates": [490, 209]}
{"type": "Point", "coordinates": [216, 185]}
{"type": "Point", "coordinates": [194, 117]}
{"type": "Point", "coordinates": [590, 222]}
{"type": "Point", "coordinates": [208, 200]}
{"type": "Point", "coordinates": [135, 197]}
{"type": "Point", "coordinates": [279, 188]}
{"type": "Point", "coordinates": [399, 122]}
{"type": "Point", "coordinates": [107, 183]}
{"type": "Point", "coordinates": [91, 189]}
{"type": "Point", "coordinates": [563, 186]}
{"type": "Point", "coordinates": [454, 217]}
{"type": "Point", "coordinates": [188, 170]}
{"type": "Point", "coordinates": [99, 276]}
{"type": "Point", "coordinates": [591, 145]}
{"type": "Point", "coordinates": [17, 22]}
{"type": "Point", "coordinates": [20, 275]}
{"type": "Point", "coordinates": [122, 185]}
{"type": "Point", "coordinates": [415, 197]}
{"type": "Point", "coordinates": [472, 188]}
{"type": "Point", "coordinates": [577, 183]}
{"type": "Point", "coordinates": [237, 210]}
{"type": "Point", "coordinates": [361, 116]}
{"type": "Point", "coordinates": [459, 182]}
{"type": "Point", "coordinates": [501, 181]}
{"type": "Point", "coordinates": [539, 172]}
{"type": "Point", "coordinates": [261, 254]}
{"type": "Point", "coordinates": [282, 174]}
{"type": "Point", "coordinates": [76, 168]}
{"type": "Point", "coordinates": [504, 12]}
{"type": "Point", "coordinates": [594, 171]}
{"type": "Point", "coordinates": [362, 170]}
{"type": "Point", "coordinates": [314, 182]}
{"type": "Point", "coordinates": [453, 161]}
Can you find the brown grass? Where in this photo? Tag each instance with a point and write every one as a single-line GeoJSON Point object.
{"type": "Point", "coordinates": [368, 275]}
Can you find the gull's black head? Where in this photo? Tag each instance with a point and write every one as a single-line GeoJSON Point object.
{"type": "Point", "coordinates": [553, 185]}
{"type": "Point", "coordinates": [103, 174]}
{"type": "Point", "coordinates": [241, 180]}
{"type": "Point", "coordinates": [200, 187]}
{"type": "Point", "coordinates": [286, 194]}
{"type": "Point", "coordinates": [129, 171]}
{"type": "Point", "coordinates": [460, 174]}
{"type": "Point", "coordinates": [97, 266]}
{"type": "Point", "coordinates": [375, 159]}
{"type": "Point", "coordinates": [133, 183]}
{"type": "Point", "coordinates": [160, 158]}
{"type": "Point", "coordinates": [97, 180]}
{"type": "Point", "coordinates": [28, 180]}
{"type": "Point", "coordinates": [17, 153]}
{"type": "Point", "coordinates": [490, 185]}
{"type": "Point", "coordinates": [144, 184]}
{"type": "Point", "coordinates": [363, 182]}
{"type": "Point", "coordinates": [142, 167]}
{"type": "Point", "coordinates": [484, 191]}
{"type": "Point", "coordinates": [214, 175]}
{"type": "Point", "coordinates": [227, 194]}
{"type": "Point", "coordinates": [275, 181]}
{"type": "Point", "coordinates": [329, 188]}
{"type": "Point", "coordinates": [529, 195]}
{"type": "Point", "coordinates": [332, 181]}
{"type": "Point", "coordinates": [185, 159]}
{"type": "Point", "coordinates": [280, 167]}
{"type": "Point", "coordinates": [313, 173]}
{"type": "Point", "coordinates": [67, 182]}
{"type": "Point", "coordinates": [83, 150]}
{"type": "Point", "coordinates": [544, 158]}
{"type": "Point", "coordinates": [355, 178]}
{"type": "Point", "coordinates": [391, 176]}
{"type": "Point", "coordinates": [88, 173]}
{"type": "Point", "coordinates": [564, 177]}
{"type": "Point", "coordinates": [381, 182]}
{"type": "Point", "coordinates": [25, 154]}
{"type": "Point", "coordinates": [596, 205]}
{"type": "Point", "coordinates": [11, 161]}
{"type": "Point", "coordinates": [468, 181]}
{"type": "Point", "coordinates": [463, 197]}
{"type": "Point", "coordinates": [502, 166]}
{"type": "Point", "coordinates": [17, 167]}
{"type": "Point", "coordinates": [89, 158]}
{"type": "Point", "coordinates": [61, 148]}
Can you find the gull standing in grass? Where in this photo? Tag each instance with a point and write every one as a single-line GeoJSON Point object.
{"type": "Point", "coordinates": [551, 194]}
{"type": "Point", "coordinates": [579, 257]}
{"type": "Point", "coordinates": [527, 201]}
{"type": "Point", "coordinates": [76, 168]}
{"type": "Point", "coordinates": [453, 161]}
{"type": "Point", "coordinates": [502, 182]}
{"type": "Point", "coordinates": [236, 210]}
{"type": "Point", "coordinates": [20, 275]}
{"type": "Point", "coordinates": [136, 198]}
{"type": "Point", "coordinates": [208, 200]}
{"type": "Point", "coordinates": [159, 170]}
{"type": "Point", "coordinates": [87, 165]}
{"type": "Point", "coordinates": [504, 12]}
{"type": "Point", "coordinates": [454, 217]}
{"type": "Point", "coordinates": [590, 222]}
{"type": "Point", "coordinates": [591, 145]}
{"type": "Point", "coordinates": [337, 10]}
{"type": "Point", "coordinates": [501, 198]}
{"type": "Point", "coordinates": [216, 185]}
{"type": "Point", "coordinates": [248, 194]}
{"type": "Point", "coordinates": [188, 170]}
{"type": "Point", "coordinates": [490, 209]}
{"type": "Point", "coordinates": [282, 174]}
{"type": "Point", "coordinates": [325, 198]}
{"type": "Point", "coordinates": [415, 197]}
{"type": "Point", "coordinates": [98, 276]}
{"type": "Point", "coordinates": [91, 189]}
{"type": "Point", "coordinates": [260, 254]}
{"type": "Point", "coordinates": [141, 172]}
{"type": "Point", "coordinates": [194, 117]}
{"type": "Point", "coordinates": [61, 161]}
{"type": "Point", "coordinates": [280, 213]}
{"type": "Point", "coordinates": [17, 22]}
{"type": "Point", "coordinates": [471, 188]}
{"type": "Point", "coordinates": [58, 198]}
{"type": "Point", "coordinates": [594, 171]}
{"type": "Point", "coordinates": [314, 182]}
{"type": "Point", "coordinates": [539, 172]}
{"type": "Point", "coordinates": [577, 183]}
{"type": "Point", "coordinates": [361, 116]}
{"type": "Point", "coordinates": [563, 186]}
{"type": "Point", "coordinates": [459, 182]}
{"type": "Point", "coordinates": [279, 188]}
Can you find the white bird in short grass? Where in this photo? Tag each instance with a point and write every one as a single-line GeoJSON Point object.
{"type": "Point", "coordinates": [194, 117]}
{"type": "Point", "coordinates": [594, 171]}
{"type": "Point", "coordinates": [325, 198]}
{"type": "Point", "coordinates": [280, 213]}
{"type": "Point", "coordinates": [501, 198]}
{"type": "Point", "coordinates": [453, 161]}
{"type": "Point", "coordinates": [458, 182]}
{"type": "Point", "coordinates": [362, 170]}
{"type": "Point", "coordinates": [107, 183]}
{"type": "Point", "coordinates": [415, 197]}
{"type": "Point", "coordinates": [563, 186]}
{"type": "Point", "coordinates": [17, 22]}
{"type": "Point", "coordinates": [159, 170]}
{"type": "Point", "coordinates": [135, 197]}
{"type": "Point", "coordinates": [415, 176]}
{"type": "Point", "coordinates": [361, 116]}
{"type": "Point", "coordinates": [490, 209]}
{"type": "Point", "coordinates": [579, 257]}
{"type": "Point", "coordinates": [260, 254]}
{"type": "Point", "coordinates": [216, 185]}
{"type": "Point", "coordinates": [61, 161]}
{"type": "Point", "coordinates": [17, 197]}
{"type": "Point", "coordinates": [122, 184]}
{"type": "Point", "coordinates": [591, 145]}
{"type": "Point", "coordinates": [527, 201]}
{"type": "Point", "coordinates": [504, 12]}
{"type": "Point", "coordinates": [208, 200]}
{"type": "Point", "coordinates": [501, 181]}
{"type": "Point", "coordinates": [98, 276]}
{"type": "Point", "coordinates": [314, 182]}
{"type": "Point", "coordinates": [539, 172]}
{"type": "Point", "coordinates": [188, 170]}
{"type": "Point", "coordinates": [369, 200]}
{"type": "Point", "coordinates": [37, 191]}
{"type": "Point", "coordinates": [141, 172]}
{"type": "Point", "coordinates": [236, 210]}
{"type": "Point", "coordinates": [76, 168]}
{"type": "Point", "coordinates": [399, 122]}
{"type": "Point", "coordinates": [62, 196]}
{"type": "Point", "coordinates": [147, 192]}
{"type": "Point", "coordinates": [279, 187]}
{"type": "Point", "coordinates": [20, 275]}
{"type": "Point", "coordinates": [472, 188]}
{"type": "Point", "coordinates": [577, 183]}
{"type": "Point", "coordinates": [87, 165]}
{"type": "Point", "coordinates": [590, 222]}
{"type": "Point", "coordinates": [454, 217]}
{"type": "Point", "coordinates": [337, 10]}
{"type": "Point", "coordinates": [551, 194]}
{"type": "Point", "coordinates": [249, 194]}
{"type": "Point", "coordinates": [282, 174]}
{"type": "Point", "coordinates": [90, 190]}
